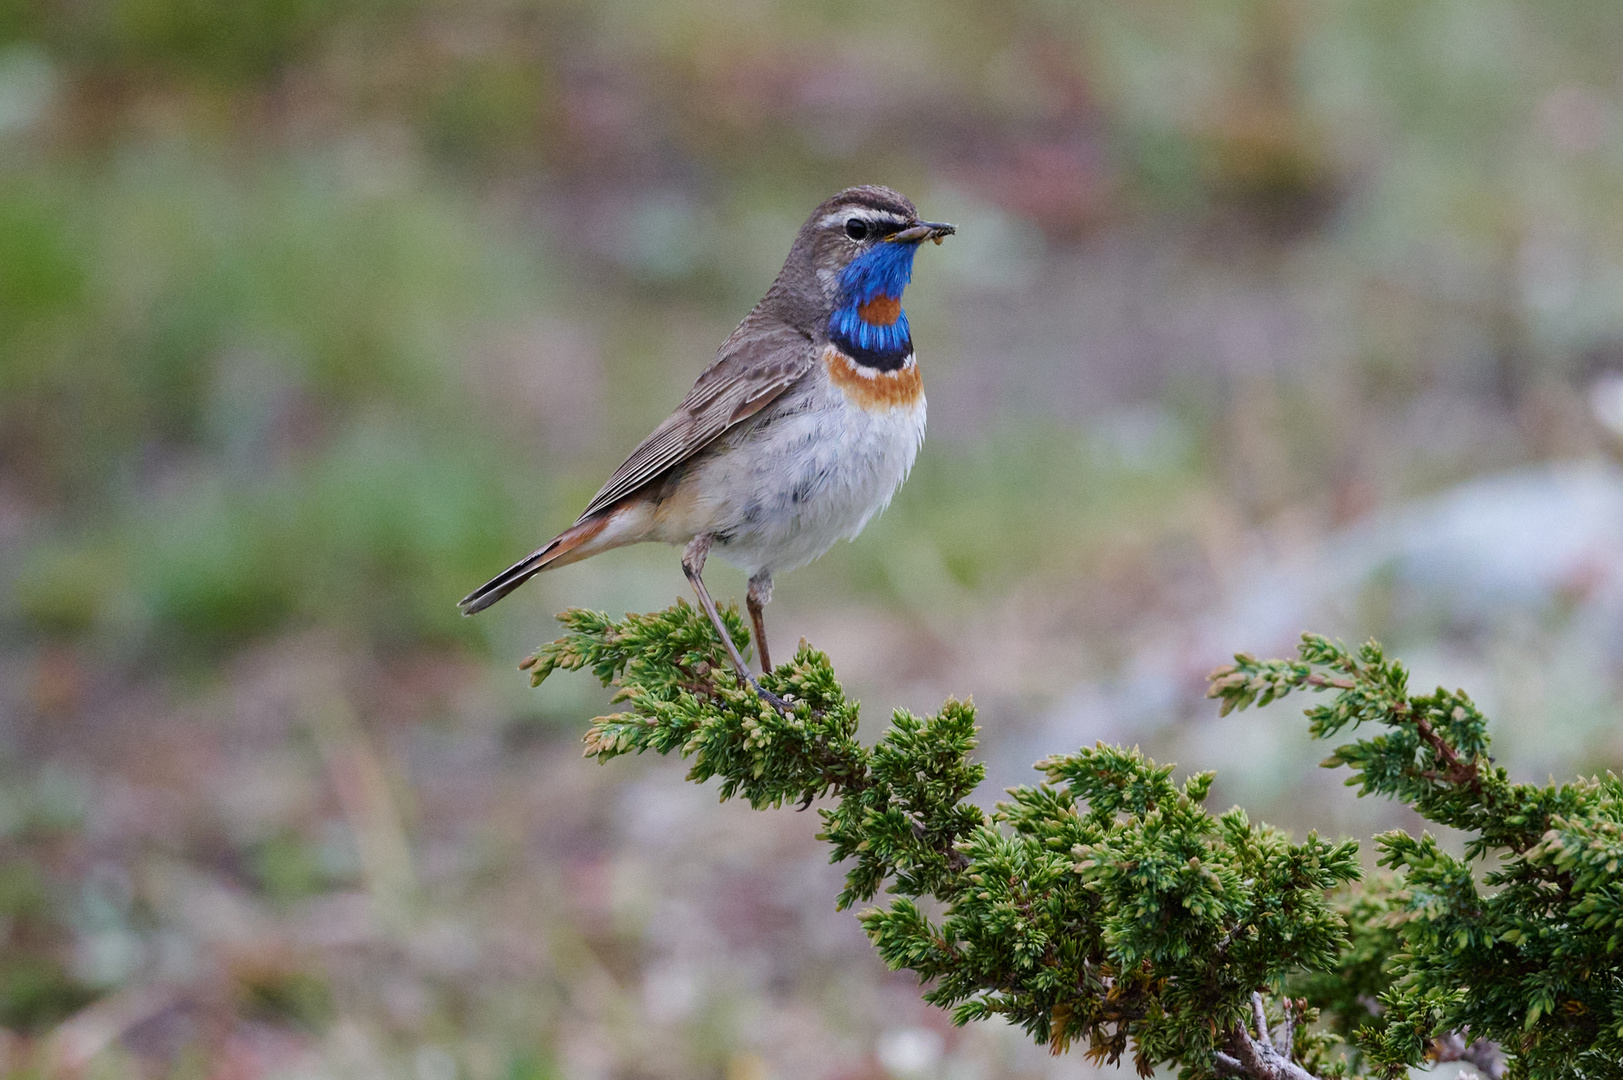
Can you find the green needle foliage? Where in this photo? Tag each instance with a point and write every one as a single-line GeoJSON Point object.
{"type": "Point", "coordinates": [1106, 908]}
{"type": "Point", "coordinates": [1522, 948]}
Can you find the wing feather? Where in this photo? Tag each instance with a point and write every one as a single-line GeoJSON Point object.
{"type": "Point", "coordinates": [753, 367]}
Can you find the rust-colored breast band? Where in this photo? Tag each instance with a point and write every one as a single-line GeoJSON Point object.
{"type": "Point", "coordinates": [874, 391]}
{"type": "Point", "coordinates": [881, 310]}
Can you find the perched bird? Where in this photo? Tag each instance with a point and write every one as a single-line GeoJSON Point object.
{"type": "Point", "coordinates": [797, 434]}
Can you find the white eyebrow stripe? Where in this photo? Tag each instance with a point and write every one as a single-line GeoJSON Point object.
{"type": "Point", "coordinates": [864, 213]}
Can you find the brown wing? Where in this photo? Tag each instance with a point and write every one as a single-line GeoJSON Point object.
{"type": "Point", "coordinates": [755, 365]}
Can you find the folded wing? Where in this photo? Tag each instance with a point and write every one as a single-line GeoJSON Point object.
{"type": "Point", "coordinates": [752, 368]}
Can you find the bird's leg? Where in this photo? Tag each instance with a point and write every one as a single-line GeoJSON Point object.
{"type": "Point", "coordinates": [693, 566]}
{"type": "Point", "coordinates": [758, 597]}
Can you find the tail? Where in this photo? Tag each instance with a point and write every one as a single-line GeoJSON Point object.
{"type": "Point", "coordinates": [571, 545]}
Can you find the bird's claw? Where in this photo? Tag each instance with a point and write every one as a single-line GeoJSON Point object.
{"type": "Point", "coordinates": [784, 708]}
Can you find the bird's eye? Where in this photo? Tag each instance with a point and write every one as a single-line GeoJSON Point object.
{"type": "Point", "coordinates": [856, 229]}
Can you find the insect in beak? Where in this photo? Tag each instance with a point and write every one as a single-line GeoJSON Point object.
{"type": "Point", "coordinates": [923, 230]}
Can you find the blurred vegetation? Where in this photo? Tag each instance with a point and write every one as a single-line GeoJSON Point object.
{"type": "Point", "coordinates": [312, 315]}
{"type": "Point", "coordinates": [246, 250]}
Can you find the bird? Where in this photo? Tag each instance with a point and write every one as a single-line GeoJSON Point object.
{"type": "Point", "coordinates": [800, 430]}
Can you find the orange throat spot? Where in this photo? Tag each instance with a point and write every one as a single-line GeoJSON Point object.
{"type": "Point", "coordinates": [874, 391]}
{"type": "Point", "coordinates": [881, 311]}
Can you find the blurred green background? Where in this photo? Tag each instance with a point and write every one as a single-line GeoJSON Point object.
{"type": "Point", "coordinates": [1264, 315]}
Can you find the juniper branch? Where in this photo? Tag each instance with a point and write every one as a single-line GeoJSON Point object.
{"type": "Point", "coordinates": [1532, 965]}
{"type": "Point", "coordinates": [1104, 906]}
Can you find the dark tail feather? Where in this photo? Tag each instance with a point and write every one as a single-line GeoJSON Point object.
{"type": "Point", "coordinates": [503, 583]}
{"type": "Point", "coordinates": [531, 565]}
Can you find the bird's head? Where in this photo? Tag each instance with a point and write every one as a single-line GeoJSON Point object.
{"type": "Point", "coordinates": [861, 243]}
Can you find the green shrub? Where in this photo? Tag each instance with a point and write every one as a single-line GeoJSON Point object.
{"type": "Point", "coordinates": [1107, 908]}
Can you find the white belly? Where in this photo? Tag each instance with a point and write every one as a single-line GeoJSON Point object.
{"type": "Point", "coordinates": [783, 491]}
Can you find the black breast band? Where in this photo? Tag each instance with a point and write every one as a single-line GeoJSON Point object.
{"type": "Point", "coordinates": [889, 359]}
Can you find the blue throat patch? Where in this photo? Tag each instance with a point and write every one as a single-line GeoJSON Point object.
{"type": "Point", "coordinates": [879, 273]}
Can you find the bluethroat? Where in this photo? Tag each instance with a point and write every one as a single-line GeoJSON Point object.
{"type": "Point", "coordinates": [798, 433]}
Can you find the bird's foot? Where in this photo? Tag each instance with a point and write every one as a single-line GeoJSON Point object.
{"type": "Point", "coordinates": [784, 708]}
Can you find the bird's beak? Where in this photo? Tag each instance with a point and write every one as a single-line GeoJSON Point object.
{"type": "Point", "coordinates": [920, 231]}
